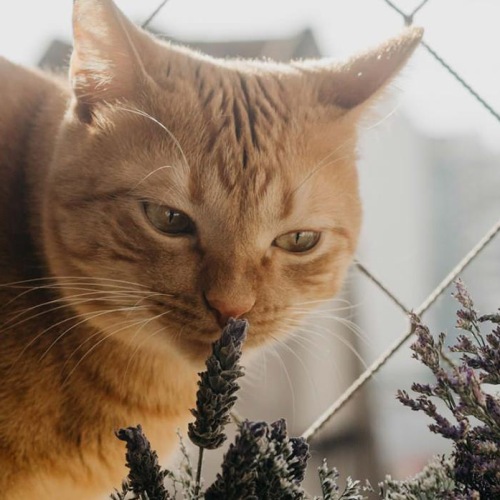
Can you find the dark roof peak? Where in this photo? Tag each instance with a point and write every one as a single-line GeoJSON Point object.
{"type": "Point", "coordinates": [301, 45]}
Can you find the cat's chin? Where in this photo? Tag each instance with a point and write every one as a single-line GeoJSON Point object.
{"type": "Point", "coordinates": [194, 348]}
{"type": "Point", "coordinates": [196, 351]}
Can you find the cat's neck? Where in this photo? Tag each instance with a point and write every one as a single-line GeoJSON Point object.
{"type": "Point", "coordinates": [31, 117]}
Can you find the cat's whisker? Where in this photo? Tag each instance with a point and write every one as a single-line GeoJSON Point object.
{"type": "Point", "coordinates": [164, 167]}
{"type": "Point", "coordinates": [340, 147]}
{"type": "Point", "coordinates": [59, 278]}
{"type": "Point", "coordinates": [165, 128]}
{"type": "Point", "coordinates": [350, 325]}
{"type": "Point", "coordinates": [79, 286]}
{"type": "Point", "coordinates": [63, 304]}
{"type": "Point", "coordinates": [305, 334]}
{"type": "Point", "coordinates": [86, 319]}
{"type": "Point", "coordinates": [59, 323]}
{"type": "Point", "coordinates": [330, 314]}
{"type": "Point", "coordinates": [150, 296]}
{"type": "Point", "coordinates": [316, 170]}
{"type": "Point", "coordinates": [87, 353]}
{"type": "Point", "coordinates": [314, 312]}
{"type": "Point", "coordinates": [69, 300]}
{"type": "Point", "coordinates": [145, 323]}
{"type": "Point", "coordinates": [305, 368]}
{"type": "Point", "coordinates": [285, 371]}
{"type": "Point", "coordinates": [179, 332]}
{"type": "Point", "coordinates": [255, 372]}
{"type": "Point", "coordinates": [256, 375]}
{"type": "Point", "coordinates": [128, 323]}
{"type": "Point", "coordinates": [46, 330]}
{"type": "Point", "coordinates": [321, 301]}
{"type": "Point", "coordinates": [321, 163]}
{"type": "Point", "coordinates": [311, 347]}
{"type": "Point", "coordinates": [328, 330]}
{"type": "Point", "coordinates": [95, 284]}
{"type": "Point", "coordinates": [140, 344]}
{"type": "Point", "coordinates": [346, 343]}
{"type": "Point", "coordinates": [384, 118]}
{"type": "Point", "coordinates": [304, 342]}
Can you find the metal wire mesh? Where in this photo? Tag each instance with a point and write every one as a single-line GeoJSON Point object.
{"type": "Point", "coordinates": [380, 362]}
{"type": "Point", "coordinates": [317, 425]}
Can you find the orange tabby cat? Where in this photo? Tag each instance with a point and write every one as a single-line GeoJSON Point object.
{"type": "Point", "coordinates": [142, 204]}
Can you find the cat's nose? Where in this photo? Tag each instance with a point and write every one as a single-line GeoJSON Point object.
{"type": "Point", "coordinates": [225, 308]}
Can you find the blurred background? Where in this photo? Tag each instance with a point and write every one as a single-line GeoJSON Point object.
{"type": "Point", "coordinates": [430, 181]}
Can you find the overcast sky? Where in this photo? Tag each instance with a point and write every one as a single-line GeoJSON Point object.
{"type": "Point", "coordinates": [464, 32]}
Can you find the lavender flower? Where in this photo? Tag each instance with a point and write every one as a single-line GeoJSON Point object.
{"type": "Point", "coordinates": [474, 423]}
{"type": "Point", "coordinates": [282, 464]}
{"type": "Point", "coordinates": [331, 490]}
{"type": "Point", "coordinates": [263, 462]}
{"type": "Point", "coordinates": [145, 477]}
{"type": "Point", "coordinates": [217, 387]}
{"type": "Point", "coordinates": [239, 468]}
{"type": "Point", "coordinates": [432, 483]}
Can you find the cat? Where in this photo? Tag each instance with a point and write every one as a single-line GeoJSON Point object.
{"type": "Point", "coordinates": [143, 202]}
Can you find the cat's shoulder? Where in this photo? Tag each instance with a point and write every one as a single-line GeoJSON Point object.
{"type": "Point", "coordinates": [20, 80]}
{"type": "Point", "coordinates": [22, 91]}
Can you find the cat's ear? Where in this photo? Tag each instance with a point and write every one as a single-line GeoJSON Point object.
{"type": "Point", "coordinates": [360, 79]}
{"type": "Point", "coordinates": [105, 64]}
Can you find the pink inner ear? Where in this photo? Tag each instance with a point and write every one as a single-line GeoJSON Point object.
{"type": "Point", "coordinates": [360, 78]}
{"type": "Point", "coordinates": [105, 64]}
{"type": "Point", "coordinates": [354, 86]}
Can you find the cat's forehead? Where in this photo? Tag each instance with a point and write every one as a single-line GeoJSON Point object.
{"type": "Point", "coordinates": [224, 191]}
{"type": "Point", "coordinates": [234, 160]}
{"type": "Point", "coordinates": [275, 192]}
{"type": "Point", "coordinates": [235, 131]}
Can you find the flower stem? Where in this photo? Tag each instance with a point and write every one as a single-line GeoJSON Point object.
{"type": "Point", "coordinates": [198, 472]}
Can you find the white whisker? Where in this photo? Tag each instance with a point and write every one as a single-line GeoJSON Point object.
{"type": "Point", "coordinates": [305, 368]}
{"type": "Point", "coordinates": [154, 120]}
{"type": "Point", "coordinates": [84, 320]}
{"type": "Point", "coordinates": [287, 375]}
{"type": "Point", "coordinates": [140, 344]}
{"type": "Point", "coordinates": [97, 344]}
{"type": "Point", "coordinates": [69, 300]}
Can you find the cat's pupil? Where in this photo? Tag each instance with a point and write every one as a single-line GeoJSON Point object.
{"type": "Point", "coordinates": [297, 241]}
{"type": "Point", "coordinates": [167, 220]}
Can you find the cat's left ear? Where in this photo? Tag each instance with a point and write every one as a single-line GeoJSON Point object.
{"type": "Point", "coordinates": [105, 64]}
{"type": "Point", "coordinates": [358, 81]}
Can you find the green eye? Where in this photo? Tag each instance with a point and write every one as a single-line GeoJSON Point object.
{"type": "Point", "coordinates": [168, 220]}
{"type": "Point", "coordinates": [297, 241]}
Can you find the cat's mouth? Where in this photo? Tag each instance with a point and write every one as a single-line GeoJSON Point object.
{"type": "Point", "coordinates": [160, 322]}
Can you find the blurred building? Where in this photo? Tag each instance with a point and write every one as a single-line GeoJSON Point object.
{"type": "Point", "coordinates": [427, 202]}
{"type": "Point", "coordinates": [301, 45]}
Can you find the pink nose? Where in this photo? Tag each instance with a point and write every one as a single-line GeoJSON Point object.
{"type": "Point", "coordinates": [226, 308]}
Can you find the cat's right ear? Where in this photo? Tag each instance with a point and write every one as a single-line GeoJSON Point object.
{"type": "Point", "coordinates": [105, 64]}
{"type": "Point", "coordinates": [355, 84]}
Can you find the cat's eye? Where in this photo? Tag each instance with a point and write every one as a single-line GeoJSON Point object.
{"type": "Point", "coordinates": [168, 220]}
{"type": "Point", "coordinates": [297, 241]}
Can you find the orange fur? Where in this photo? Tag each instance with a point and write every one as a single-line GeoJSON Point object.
{"type": "Point", "coordinates": [104, 320]}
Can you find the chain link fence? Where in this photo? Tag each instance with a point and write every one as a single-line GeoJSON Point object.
{"type": "Point", "coordinates": [379, 363]}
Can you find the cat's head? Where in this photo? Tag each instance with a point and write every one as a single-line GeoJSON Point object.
{"type": "Point", "coordinates": [186, 189]}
